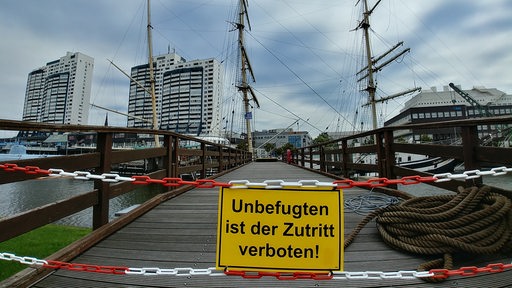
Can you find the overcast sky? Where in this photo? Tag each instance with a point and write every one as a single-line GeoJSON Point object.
{"type": "Point", "coordinates": [303, 52]}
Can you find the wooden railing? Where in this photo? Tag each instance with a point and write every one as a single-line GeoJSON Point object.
{"type": "Point", "coordinates": [172, 160]}
{"type": "Point", "coordinates": [339, 157]}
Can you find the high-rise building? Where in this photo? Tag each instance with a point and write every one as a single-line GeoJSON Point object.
{"type": "Point", "coordinates": [60, 91]}
{"type": "Point", "coordinates": [187, 95]}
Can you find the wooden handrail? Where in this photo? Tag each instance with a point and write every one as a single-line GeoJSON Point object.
{"type": "Point", "coordinates": [474, 156]}
{"type": "Point", "coordinates": [100, 161]}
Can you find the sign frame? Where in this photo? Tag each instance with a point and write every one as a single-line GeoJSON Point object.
{"type": "Point", "coordinates": [289, 229]}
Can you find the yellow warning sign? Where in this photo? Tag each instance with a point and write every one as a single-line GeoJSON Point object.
{"type": "Point", "coordinates": [281, 229]}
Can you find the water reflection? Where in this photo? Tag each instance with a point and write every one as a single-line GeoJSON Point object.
{"type": "Point", "coordinates": [23, 196]}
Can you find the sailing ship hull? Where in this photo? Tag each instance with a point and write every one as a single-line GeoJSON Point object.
{"type": "Point", "coordinates": [420, 163]}
{"type": "Point", "coordinates": [434, 165]}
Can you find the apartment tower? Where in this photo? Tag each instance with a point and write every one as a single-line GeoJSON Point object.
{"type": "Point", "coordinates": [60, 92]}
{"type": "Point", "coordinates": [187, 95]}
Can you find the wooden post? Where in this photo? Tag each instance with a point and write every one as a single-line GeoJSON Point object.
{"type": "Point", "coordinates": [381, 158]}
{"type": "Point", "coordinates": [469, 143]}
{"type": "Point", "coordinates": [168, 164]}
{"type": "Point", "coordinates": [101, 209]}
{"type": "Point", "coordinates": [230, 158]}
{"type": "Point", "coordinates": [322, 159]}
{"type": "Point", "coordinates": [203, 160]}
{"type": "Point", "coordinates": [221, 164]}
{"type": "Point", "coordinates": [174, 156]}
{"type": "Point", "coordinates": [345, 158]}
{"type": "Point", "coordinates": [389, 157]}
{"type": "Point", "coordinates": [310, 158]}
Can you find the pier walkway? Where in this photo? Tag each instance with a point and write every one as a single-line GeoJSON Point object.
{"type": "Point", "coordinates": [181, 232]}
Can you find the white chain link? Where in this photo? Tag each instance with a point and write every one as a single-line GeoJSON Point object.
{"type": "Point", "coordinates": [278, 184]}
{"type": "Point", "coordinates": [22, 260]}
{"type": "Point", "coordinates": [84, 175]}
{"type": "Point", "coordinates": [212, 271]}
{"type": "Point", "coordinates": [379, 275]}
{"type": "Point", "coordinates": [472, 174]}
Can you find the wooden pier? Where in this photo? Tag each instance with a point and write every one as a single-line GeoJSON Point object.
{"type": "Point", "coordinates": [181, 233]}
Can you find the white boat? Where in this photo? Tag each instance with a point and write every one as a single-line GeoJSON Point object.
{"type": "Point", "coordinates": [19, 152]}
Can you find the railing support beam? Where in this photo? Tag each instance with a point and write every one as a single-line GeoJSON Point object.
{"type": "Point", "coordinates": [469, 142]}
{"type": "Point", "coordinates": [100, 211]}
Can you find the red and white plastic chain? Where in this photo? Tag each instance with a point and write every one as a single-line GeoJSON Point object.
{"type": "Point", "coordinates": [212, 271]}
{"type": "Point", "coordinates": [209, 183]}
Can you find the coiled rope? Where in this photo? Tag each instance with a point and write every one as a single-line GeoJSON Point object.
{"type": "Point", "coordinates": [475, 221]}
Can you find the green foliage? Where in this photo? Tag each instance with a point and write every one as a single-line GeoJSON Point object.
{"type": "Point", "coordinates": [322, 138]}
{"type": "Point", "coordinates": [242, 146]}
{"type": "Point", "coordinates": [424, 138]}
{"type": "Point", "coordinates": [282, 150]}
{"type": "Point", "coordinates": [269, 147]}
{"type": "Point", "coordinates": [39, 243]}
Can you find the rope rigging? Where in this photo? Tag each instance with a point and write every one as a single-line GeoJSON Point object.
{"type": "Point", "coordinates": [475, 220]}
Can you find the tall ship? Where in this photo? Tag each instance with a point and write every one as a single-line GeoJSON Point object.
{"type": "Point", "coordinates": [374, 64]}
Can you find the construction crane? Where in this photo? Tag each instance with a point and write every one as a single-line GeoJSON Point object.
{"type": "Point", "coordinates": [483, 110]}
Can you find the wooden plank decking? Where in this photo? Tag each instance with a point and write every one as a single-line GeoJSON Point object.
{"type": "Point", "coordinates": [182, 233]}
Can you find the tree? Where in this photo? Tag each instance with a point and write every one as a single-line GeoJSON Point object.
{"type": "Point", "coordinates": [242, 146]}
{"type": "Point", "coordinates": [281, 150]}
{"type": "Point", "coordinates": [323, 137]}
{"type": "Point", "coordinates": [424, 138]}
{"type": "Point", "coordinates": [269, 147]}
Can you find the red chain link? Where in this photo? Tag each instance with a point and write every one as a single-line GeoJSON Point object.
{"type": "Point", "coordinates": [33, 170]}
{"type": "Point", "coordinates": [86, 267]}
{"type": "Point", "coordinates": [176, 182]}
{"type": "Point", "coordinates": [470, 270]}
{"type": "Point", "coordinates": [380, 182]}
{"type": "Point", "coordinates": [280, 275]}
{"type": "Point", "coordinates": [207, 183]}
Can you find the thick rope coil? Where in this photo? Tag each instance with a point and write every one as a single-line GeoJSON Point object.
{"type": "Point", "coordinates": [475, 221]}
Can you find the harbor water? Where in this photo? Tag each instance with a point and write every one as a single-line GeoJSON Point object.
{"type": "Point", "coordinates": [22, 196]}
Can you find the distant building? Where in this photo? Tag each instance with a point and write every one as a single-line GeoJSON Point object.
{"type": "Point", "coordinates": [188, 95]}
{"type": "Point", "coordinates": [60, 92]}
{"type": "Point", "coordinates": [433, 106]}
{"type": "Point", "coordinates": [280, 137]}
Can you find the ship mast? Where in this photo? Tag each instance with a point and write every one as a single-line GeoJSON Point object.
{"type": "Point", "coordinates": [371, 83]}
{"type": "Point", "coordinates": [245, 66]}
{"type": "Point", "coordinates": [372, 67]}
{"type": "Point", "coordinates": [152, 76]}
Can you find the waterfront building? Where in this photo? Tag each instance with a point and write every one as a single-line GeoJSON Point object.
{"type": "Point", "coordinates": [433, 105]}
{"type": "Point", "coordinates": [60, 91]}
{"type": "Point", "coordinates": [188, 95]}
{"type": "Point", "coordinates": [280, 137]}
